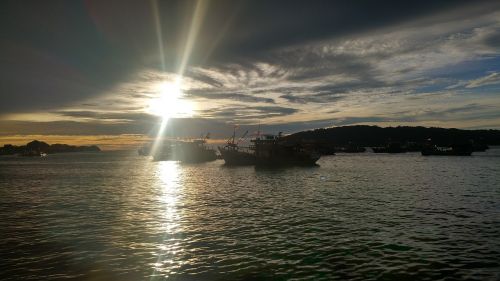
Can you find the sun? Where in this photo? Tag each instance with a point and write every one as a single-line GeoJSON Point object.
{"type": "Point", "coordinates": [170, 102]}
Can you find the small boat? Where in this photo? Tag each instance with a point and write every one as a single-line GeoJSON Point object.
{"type": "Point", "coordinates": [480, 147]}
{"type": "Point", "coordinates": [455, 150]}
{"type": "Point", "coordinates": [33, 153]}
{"type": "Point", "coordinates": [391, 147]}
{"type": "Point", "coordinates": [351, 148]}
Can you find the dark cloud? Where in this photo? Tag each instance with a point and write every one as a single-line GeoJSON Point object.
{"type": "Point", "coordinates": [493, 40]}
{"type": "Point", "coordinates": [52, 54]}
{"type": "Point", "coordinates": [367, 119]}
{"type": "Point", "coordinates": [248, 113]}
{"type": "Point", "coordinates": [309, 98]}
{"type": "Point", "coordinates": [456, 113]}
{"type": "Point", "coordinates": [104, 116]}
{"type": "Point", "coordinates": [211, 94]}
{"type": "Point", "coordinates": [73, 128]}
{"type": "Point", "coordinates": [264, 25]}
{"type": "Point", "coordinates": [177, 127]}
{"type": "Point", "coordinates": [55, 53]}
{"type": "Point", "coordinates": [201, 77]}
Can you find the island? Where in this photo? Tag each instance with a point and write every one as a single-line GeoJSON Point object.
{"type": "Point", "coordinates": [40, 148]}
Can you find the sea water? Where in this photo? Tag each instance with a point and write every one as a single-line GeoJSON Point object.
{"type": "Point", "coordinates": [119, 216]}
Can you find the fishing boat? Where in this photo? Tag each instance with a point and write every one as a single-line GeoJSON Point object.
{"type": "Point", "coordinates": [193, 151]}
{"type": "Point", "coordinates": [235, 155]}
{"type": "Point", "coordinates": [189, 151]}
{"type": "Point", "coordinates": [271, 150]}
{"type": "Point", "coordinates": [162, 153]}
{"type": "Point", "coordinates": [391, 147]}
{"type": "Point", "coordinates": [33, 153]}
{"type": "Point", "coordinates": [351, 148]}
{"type": "Point", "coordinates": [455, 150]}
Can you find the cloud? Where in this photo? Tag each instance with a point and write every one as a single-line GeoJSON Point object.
{"type": "Point", "coordinates": [247, 114]}
{"type": "Point", "coordinates": [253, 62]}
{"type": "Point", "coordinates": [110, 116]}
{"type": "Point", "coordinates": [208, 94]}
{"type": "Point", "coordinates": [491, 79]}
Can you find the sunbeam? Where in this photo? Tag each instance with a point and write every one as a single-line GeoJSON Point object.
{"type": "Point", "coordinates": [170, 101]}
{"type": "Point", "coordinates": [159, 37]}
{"type": "Point", "coordinates": [196, 21]}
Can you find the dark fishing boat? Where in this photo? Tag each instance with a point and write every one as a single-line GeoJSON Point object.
{"type": "Point", "coordinates": [194, 151]}
{"type": "Point", "coordinates": [273, 150]}
{"type": "Point", "coordinates": [391, 147]}
{"type": "Point", "coordinates": [455, 150]}
{"type": "Point", "coordinates": [351, 148]}
{"type": "Point", "coordinates": [235, 155]}
{"type": "Point", "coordinates": [189, 151]}
{"type": "Point", "coordinates": [162, 153]}
{"type": "Point", "coordinates": [33, 153]}
{"type": "Point", "coordinates": [480, 147]}
{"type": "Point", "coordinates": [269, 150]}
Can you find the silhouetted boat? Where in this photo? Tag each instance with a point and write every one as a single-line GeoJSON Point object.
{"type": "Point", "coordinates": [269, 150]}
{"type": "Point", "coordinates": [162, 153]}
{"type": "Point", "coordinates": [480, 147]}
{"type": "Point", "coordinates": [235, 155]}
{"type": "Point", "coordinates": [273, 150]}
{"type": "Point", "coordinates": [33, 153]}
{"type": "Point", "coordinates": [392, 147]}
{"type": "Point", "coordinates": [191, 151]}
{"type": "Point", "coordinates": [351, 148]}
{"type": "Point", "coordinates": [194, 151]}
{"type": "Point", "coordinates": [325, 148]}
{"type": "Point", "coordinates": [455, 150]}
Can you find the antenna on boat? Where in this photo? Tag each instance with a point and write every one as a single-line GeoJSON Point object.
{"type": "Point", "coordinates": [234, 132]}
{"type": "Point", "coordinates": [233, 137]}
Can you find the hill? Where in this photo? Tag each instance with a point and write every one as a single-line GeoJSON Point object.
{"type": "Point", "coordinates": [36, 147]}
{"type": "Point", "coordinates": [377, 136]}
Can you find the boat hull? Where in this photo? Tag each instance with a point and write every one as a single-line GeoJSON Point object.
{"type": "Point", "coordinates": [445, 153]}
{"type": "Point", "coordinates": [233, 157]}
{"type": "Point", "coordinates": [188, 152]}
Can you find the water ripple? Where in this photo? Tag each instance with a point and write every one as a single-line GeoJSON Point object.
{"type": "Point", "coordinates": [357, 217]}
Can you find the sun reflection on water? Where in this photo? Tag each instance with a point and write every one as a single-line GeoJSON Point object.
{"type": "Point", "coordinates": [169, 180]}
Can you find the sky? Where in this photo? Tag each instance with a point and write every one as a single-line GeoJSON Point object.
{"type": "Point", "coordinates": [108, 72]}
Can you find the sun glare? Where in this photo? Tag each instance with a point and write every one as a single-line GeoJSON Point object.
{"type": "Point", "coordinates": [170, 102]}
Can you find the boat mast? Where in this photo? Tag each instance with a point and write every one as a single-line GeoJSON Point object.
{"type": "Point", "coordinates": [234, 133]}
